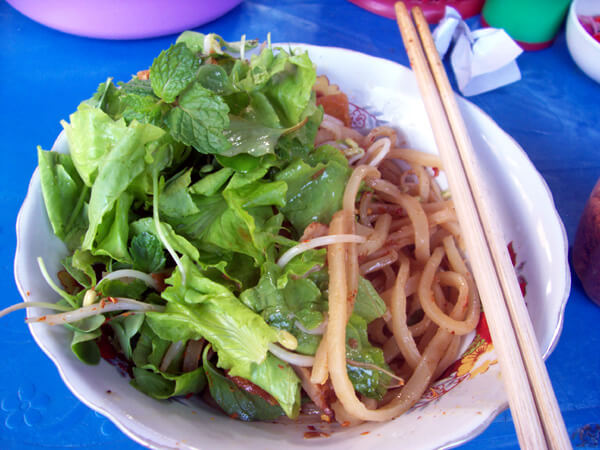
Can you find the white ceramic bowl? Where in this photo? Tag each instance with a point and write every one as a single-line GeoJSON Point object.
{"type": "Point", "coordinates": [584, 49]}
{"type": "Point", "coordinates": [457, 408]}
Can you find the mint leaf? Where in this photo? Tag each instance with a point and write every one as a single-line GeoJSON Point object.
{"type": "Point", "coordinates": [199, 120]}
{"type": "Point", "coordinates": [172, 71]}
{"type": "Point", "coordinates": [215, 78]}
{"type": "Point", "coordinates": [143, 108]}
{"type": "Point", "coordinates": [147, 252]}
{"type": "Point", "coordinates": [137, 86]}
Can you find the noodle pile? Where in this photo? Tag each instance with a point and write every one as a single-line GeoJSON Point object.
{"type": "Point", "coordinates": [411, 256]}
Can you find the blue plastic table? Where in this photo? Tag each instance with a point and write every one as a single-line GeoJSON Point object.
{"type": "Point", "coordinates": [553, 112]}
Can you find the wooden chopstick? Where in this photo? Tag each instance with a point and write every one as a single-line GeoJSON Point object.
{"type": "Point", "coordinates": [534, 408]}
{"type": "Point", "coordinates": [547, 406]}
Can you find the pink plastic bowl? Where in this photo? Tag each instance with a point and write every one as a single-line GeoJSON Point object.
{"type": "Point", "coordinates": [123, 19]}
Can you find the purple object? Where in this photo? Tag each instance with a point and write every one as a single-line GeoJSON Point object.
{"type": "Point", "coordinates": [123, 19]}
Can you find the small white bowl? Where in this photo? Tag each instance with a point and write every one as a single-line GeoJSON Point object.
{"type": "Point", "coordinates": [584, 49]}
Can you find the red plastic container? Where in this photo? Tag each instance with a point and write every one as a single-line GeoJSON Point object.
{"type": "Point", "coordinates": [432, 9]}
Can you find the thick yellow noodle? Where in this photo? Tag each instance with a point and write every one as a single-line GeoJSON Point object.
{"type": "Point", "coordinates": [412, 258]}
{"type": "Point", "coordinates": [415, 212]}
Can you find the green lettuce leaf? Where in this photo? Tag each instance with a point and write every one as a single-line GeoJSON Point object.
{"type": "Point", "coordinates": [317, 199]}
{"type": "Point", "coordinates": [249, 137]}
{"type": "Point", "coordinates": [261, 110]}
{"type": "Point", "coordinates": [92, 134]}
{"type": "Point", "coordinates": [238, 219]}
{"type": "Point", "coordinates": [193, 40]}
{"type": "Point", "coordinates": [300, 143]}
{"type": "Point", "coordinates": [125, 328]}
{"type": "Point", "coordinates": [113, 231]}
{"type": "Point", "coordinates": [212, 183]}
{"type": "Point", "coordinates": [291, 89]}
{"type": "Point", "coordinates": [117, 169]}
{"type": "Point", "coordinates": [65, 196]}
{"type": "Point", "coordinates": [175, 199]}
{"type": "Point", "coordinates": [147, 356]}
{"type": "Point", "coordinates": [83, 345]}
{"type": "Point", "coordinates": [80, 266]}
{"type": "Point", "coordinates": [162, 386]}
{"type": "Point", "coordinates": [203, 308]}
{"type": "Point", "coordinates": [254, 76]}
{"type": "Point", "coordinates": [150, 350]}
{"type": "Point", "coordinates": [106, 98]}
{"type": "Point", "coordinates": [118, 288]}
{"type": "Point", "coordinates": [283, 301]}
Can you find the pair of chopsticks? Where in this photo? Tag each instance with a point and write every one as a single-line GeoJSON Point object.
{"type": "Point", "coordinates": [533, 405]}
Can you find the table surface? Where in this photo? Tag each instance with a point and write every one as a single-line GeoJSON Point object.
{"type": "Point", "coordinates": [553, 113]}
